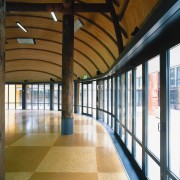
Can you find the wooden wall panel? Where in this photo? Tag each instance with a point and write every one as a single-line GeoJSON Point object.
{"type": "Point", "coordinates": [2, 90]}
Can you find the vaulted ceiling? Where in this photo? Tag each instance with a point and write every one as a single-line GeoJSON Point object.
{"type": "Point", "coordinates": [96, 45]}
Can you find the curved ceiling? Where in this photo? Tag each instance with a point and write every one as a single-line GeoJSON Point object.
{"type": "Point", "coordinates": [96, 45]}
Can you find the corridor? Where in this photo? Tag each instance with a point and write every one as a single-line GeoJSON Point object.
{"type": "Point", "coordinates": [35, 148]}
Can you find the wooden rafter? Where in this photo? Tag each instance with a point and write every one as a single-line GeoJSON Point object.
{"type": "Point", "coordinates": [56, 7]}
{"type": "Point", "coordinates": [116, 26]}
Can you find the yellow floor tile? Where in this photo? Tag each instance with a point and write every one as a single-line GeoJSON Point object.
{"type": "Point", "coordinates": [37, 139]}
{"type": "Point", "coordinates": [69, 159]}
{"type": "Point", "coordinates": [88, 140]}
{"type": "Point", "coordinates": [112, 176]}
{"type": "Point", "coordinates": [18, 176]}
{"type": "Point", "coordinates": [10, 138]}
{"type": "Point", "coordinates": [23, 159]}
{"type": "Point", "coordinates": [107, 160]}
{"type": "Point", "coordinates": [103, 140]}
{"type": "Point", "coordinates": [100, 129]}
{"type": "Point", "coordinates": [87, 129]}
{"type": "Point", "coordinates": [84, 122]}
{"type": "Point", "coordinates": [64, 176]}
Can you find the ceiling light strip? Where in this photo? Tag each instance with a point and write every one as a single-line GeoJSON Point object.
{"type": "Point", "coordinates": [78, 24]}
{"type": "Point", "coordinates": [54, 16]}
{"type": "Point", "coordinates": [21, 27]}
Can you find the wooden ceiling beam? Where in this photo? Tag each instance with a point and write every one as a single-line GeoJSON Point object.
{"type": "Point", "coordinates": [56, 7]}
{"type": "Point", "coordinates": [123, 9]}
{"type": "Point", "coordinates": [117, 27]}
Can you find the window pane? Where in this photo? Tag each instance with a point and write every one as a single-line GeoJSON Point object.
{"type": "Point", "coordinates": [47, 96]}
{"type": "Point", "coordinates": [118, 105]}
{"type": "Point", "coordinates": [60, 96]}
{"type": "Point", "coordinates": [114, 90]}
{"type": "Point", "coordinates": [85, 95]}
{"type": "Point", "coordinates": [109, 91]}
{"type": "Point", "coordinates": [55, 97]}
{"type": "Point", "coordinates": [105, 95]}
{"type": "Point", "coordinates": [138, 107]}
{"type": "Point", "coordinates": [18, 96]}
{"type": "Point", "coordinates": [94, 94]}
{"type": "Point", "coordinates": [123, 134]}
{"type": "Point", "coordinates": [123, 98]}
{"type": "Point", "coordinates": [129, 142]}
{"type": "Point", "coordinates": [100, 98]}
{"type": "Point", "coordinates": [80, 98]}
{"type": "Point", "coordinates": [28, 96]}
{"type": "Point", "coordinates": [41, 96]}
{"type": "Point", "coordinates": [11, 96]}
{"type": "Point", "coordinates": [89, 95]}
{"type": "Point", "coordinates": [105, 117]}
{"type": "Point", "coordinates": [129, 113]}
{"type": "Point", "coordinates": [84, 98]}
{"type": "Point", "coordinates": [138, 154]}
{"type": "Point", "coordinates": [94, 99]}
{"type": "Point", "coordinates": [153, 135]}
{"type": "Point", "coordinates": [153, 169]}
{"type": "Point", "coordinates": [174, 121]}
{"type": "Point", "coordinates": [35, 96]}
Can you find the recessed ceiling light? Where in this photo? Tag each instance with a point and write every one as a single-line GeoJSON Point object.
{"type": "Point", "coordinates": [21, 27]}
{"type": "Point", "coordinates": [26, 41]}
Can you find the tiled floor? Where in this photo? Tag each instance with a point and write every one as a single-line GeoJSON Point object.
{"type": "Point", "coordinates": [35, 149]}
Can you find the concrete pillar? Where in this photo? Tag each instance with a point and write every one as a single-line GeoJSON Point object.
{"type": "Point", "coordinates": [2, 88]}
{"type": "Point", "coordinates": [67, 68]}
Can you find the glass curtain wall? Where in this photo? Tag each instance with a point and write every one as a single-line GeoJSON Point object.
{"type": "Point", "coordinates": [37, 96]}
{"type": "Point", "coordinates": [138, 115]}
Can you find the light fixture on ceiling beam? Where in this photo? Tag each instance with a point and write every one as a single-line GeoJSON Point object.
{"type": "Point", "coordinates": [78, 24]}
{"type": "Point", "coordinates": [26, 41]}
{"type": "Point", "coordinates": [54, 16]}
{"type": "Point", "coordinates": [21, 27]}
{"type": "Point", "coordinates": [136, 29]}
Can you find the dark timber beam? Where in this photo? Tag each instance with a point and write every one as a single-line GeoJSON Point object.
{"type": "Point", "coordinates": [56, 7]}
{"type": "Point", "coordinates": [123, 9]}
{"type": "Point", "coordinates": [116, 26]}
{"type": "Point", "coordinates": [67, 68]}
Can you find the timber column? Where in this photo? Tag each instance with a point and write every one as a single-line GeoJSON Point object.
{"type": "Point", "coordinates": [2, 86]}
{"type": "Point", "coordinates": [67, 67]}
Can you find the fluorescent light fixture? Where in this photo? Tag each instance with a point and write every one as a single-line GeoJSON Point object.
{"type": "Point", "coordinates": [78, 24]}
{"type": "Point", "coordinates": [54, 16]}
{"type": "Point", "coordinates": [21, 26]}
{"type": "Point", "coordinates": [26, 41]}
